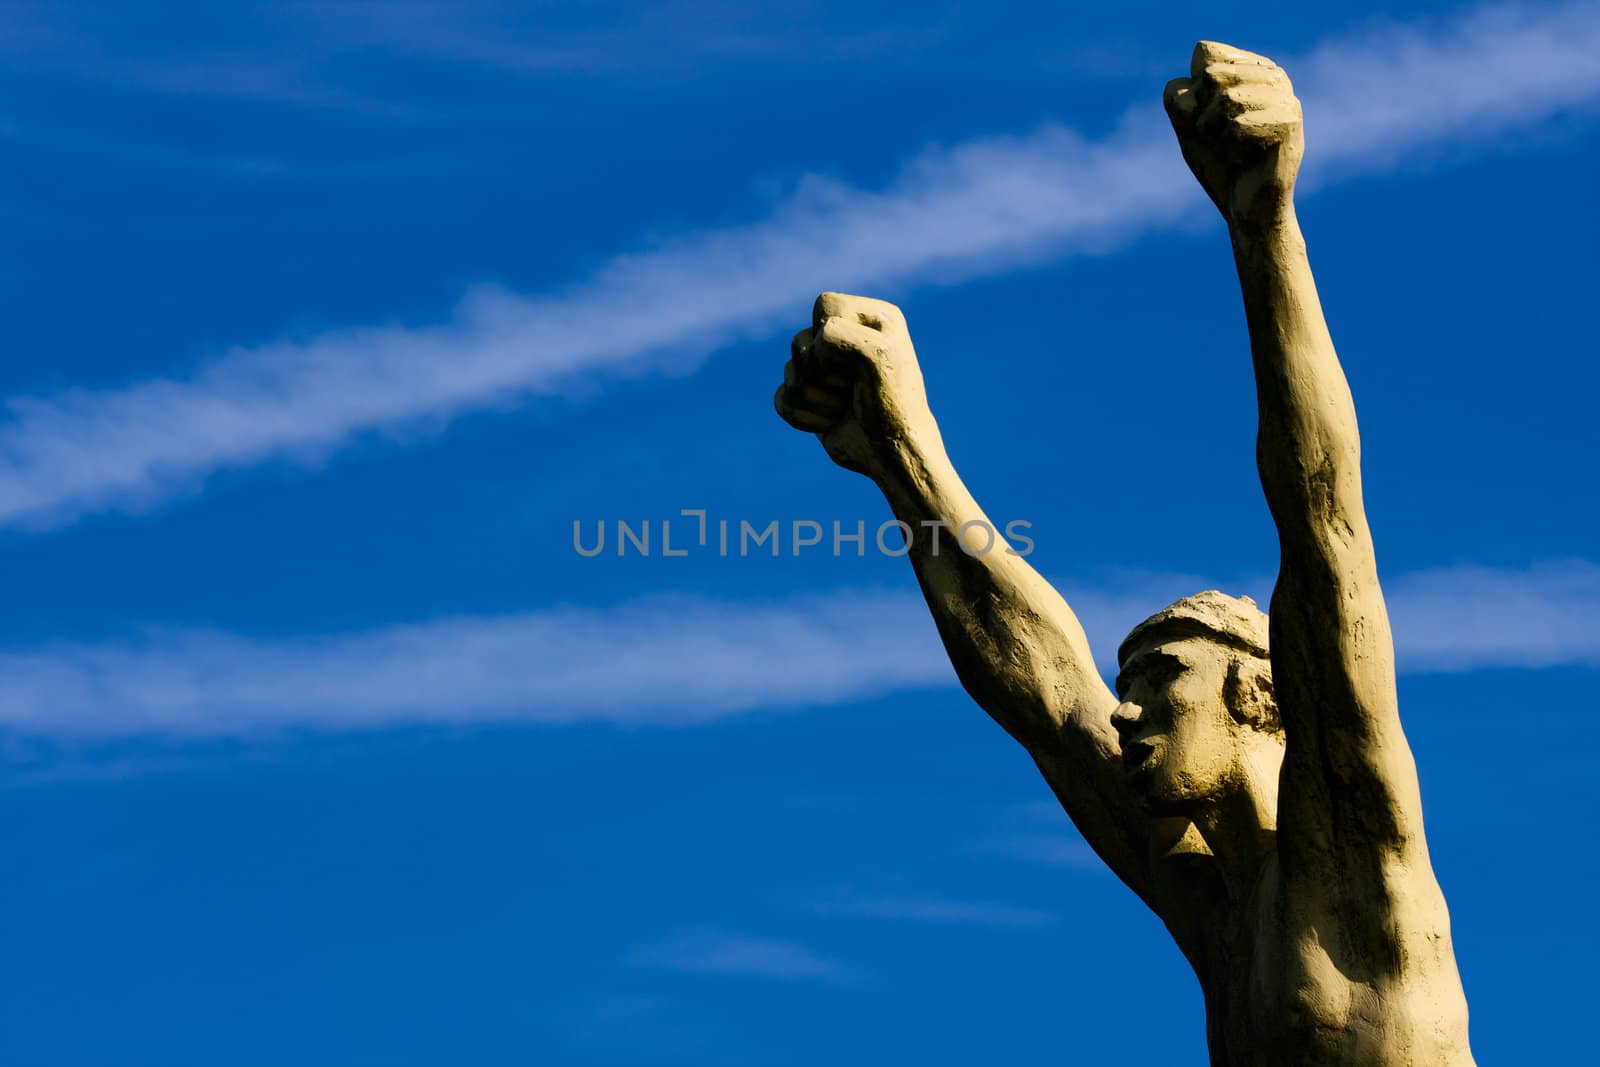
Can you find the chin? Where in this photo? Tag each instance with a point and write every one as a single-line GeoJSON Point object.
{"type": "Point", "coordinates": [1161, 798]}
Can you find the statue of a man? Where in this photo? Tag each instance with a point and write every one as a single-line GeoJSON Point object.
{"type": "Point", "coordinates": [1249, 779]}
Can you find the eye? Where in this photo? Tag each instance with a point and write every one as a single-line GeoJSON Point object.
{"type": "Point", "coordinates": [1163, 671]}
{"type": "Point", "coordinates": [1168, 671]}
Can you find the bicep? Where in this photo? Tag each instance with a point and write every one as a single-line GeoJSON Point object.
{"type": "Point", "coordinates": [1348, 777]}
{"type": "Point", "coordinates": [1347, 767]}
{"type": "Point", "coordinates": [1083, 767]}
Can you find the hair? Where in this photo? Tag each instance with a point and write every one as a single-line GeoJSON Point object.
{"type": "Point", "coordinates": [1234, 622]}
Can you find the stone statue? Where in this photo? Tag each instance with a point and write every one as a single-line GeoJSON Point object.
{"type": "Point", "coordinates": [1249, 779]}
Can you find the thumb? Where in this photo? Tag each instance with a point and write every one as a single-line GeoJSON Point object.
{"type": "Point", "coordinates": [1180, 102]}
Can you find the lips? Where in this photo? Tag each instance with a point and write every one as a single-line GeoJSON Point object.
{"type": "Point", "coordinates": [1135, 753]}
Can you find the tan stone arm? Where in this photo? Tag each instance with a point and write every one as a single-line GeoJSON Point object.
{"type": "Point", "coordinates": [1332, 652]}
{"type": "Point", "coordinates": [1018, 649]}
{"type": "Point", "coordinates": [853, 379]}
{"type": "Point", "coordinates": [1348, 776]}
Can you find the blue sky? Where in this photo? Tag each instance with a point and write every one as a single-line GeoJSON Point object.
{"type": "Point", "coordinates": [320, 744]}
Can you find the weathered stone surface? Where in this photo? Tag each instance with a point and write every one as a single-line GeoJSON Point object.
{"type": "Point", "coordinates": [1249, 779]}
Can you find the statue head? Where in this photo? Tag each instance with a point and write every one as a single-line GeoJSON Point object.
{"type": "Point", "coordinates": [1197, 717]}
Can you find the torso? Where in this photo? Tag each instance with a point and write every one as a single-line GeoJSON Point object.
{"type": "Point", "coordinates": [1283, 986]}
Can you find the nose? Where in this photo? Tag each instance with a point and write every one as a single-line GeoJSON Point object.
{"type": "Point", "coordinates": [1125, 720]}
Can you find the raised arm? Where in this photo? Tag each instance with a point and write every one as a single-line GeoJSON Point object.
{"type": "Point", "coordinates": [1016, 646]}
{"type": "Point", "coordinates": [1348, 778]}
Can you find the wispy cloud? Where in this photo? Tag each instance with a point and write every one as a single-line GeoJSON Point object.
{"type": "Point", "coordinates": [622, 40]}
{"type": "Point", "coordinates": [1445, 619]}
{"type": "Point", "coordinates": [1035, 834]}
{"type": "Point", "coordinates": [1394, 89]}
{"type": "Point", "coordinates": [294, 53]}
{"type": "Point", "coordinates": [1465, 618]}
{"type": "Point", "coordinates": [1047, 848]}
{"type": "Point", "coordinates": [662, 661]}
{"type": "Point", "coordinates": [738, 955]}
{"type": "Point", "coordinates": [680, 661]}
{"type": "Point", "coordinates": [260, 66]}
{"type": "Point", "coordinates": [952, 214]}
{"type": "Point", "coordinates": [932, 909]}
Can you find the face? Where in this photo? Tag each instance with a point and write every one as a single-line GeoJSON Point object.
{"type": "Point", "coordinates": [1179, 744]}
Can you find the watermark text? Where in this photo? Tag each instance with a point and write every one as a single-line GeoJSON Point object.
{"type": "Point", "coordinates": [697, 533]}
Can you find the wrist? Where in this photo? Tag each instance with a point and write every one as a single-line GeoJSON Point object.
{"type": "Point", "coordinates": [912, 458]}
{"type": "Point", "coordinates": [1268, 231]}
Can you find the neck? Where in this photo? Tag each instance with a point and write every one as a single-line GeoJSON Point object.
{"type": "Point", "coordinates": [1240, 827]}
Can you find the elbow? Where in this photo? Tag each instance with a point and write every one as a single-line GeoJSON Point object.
{"type": "Point", "coordinates": [1019, 711]}
{"type": "Point", "coordinates": [1314, 493]}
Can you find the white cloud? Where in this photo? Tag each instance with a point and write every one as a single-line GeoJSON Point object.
{"type": "Point", "coordinates": [682, 661]}
{"type": "Point", "coordinates": [951, 214]}
{"type": "Point", "coordinates": [1444, 619]}
{"type": "Point", "coordinates": [737, 955]}
{"type": "Point", "coordinates": [1374, 97]}
{"type": "Point", "coordinates": [933, 910]}
{"type": "Point", "coordinates": [296, 54]}
{"type": "Point", "coordinates": [1034, 833]}
{"type": "Point", "coordinates": [1047, 848]}
{"type": "Point", "coordinates": [638, 39]}
{"type": "Point", "coordinates": [658, 661]}
{"type": "Point", "coordinates": [1467, 618]}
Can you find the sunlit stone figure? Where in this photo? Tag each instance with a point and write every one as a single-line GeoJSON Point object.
{"type": "Point", "coordinates": [1249, 778]}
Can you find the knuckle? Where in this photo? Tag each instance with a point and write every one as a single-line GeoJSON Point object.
{"type": "Point", "coordinates": [831, 305]}
{"type": "Point", "coordinates": [836, 335]}
{"type": "Point", "coordinates": [854, 342]}
{"type": "Point", "coordinates": [865, 311]}
{"type": "Point", "coordinates": [887, 314]}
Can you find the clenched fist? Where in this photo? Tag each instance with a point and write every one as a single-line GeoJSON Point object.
{"type": "Point", "coordinates": [852, 379]}
{"type": "Point", "coordinates": [1238, 123]}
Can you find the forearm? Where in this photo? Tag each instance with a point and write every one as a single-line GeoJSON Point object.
{"type": "Point", "coordinates": [1308, 449]}
{"type": "Point", "coordinates": [1328, 602]}
{"type": "Point", "coordinates": [853, 379]}
{"type": "Point", "coordinates": [1018, 649]}
{"type": "Point", "coordinates": [1015, 644]}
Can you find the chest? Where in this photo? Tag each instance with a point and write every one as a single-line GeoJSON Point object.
{"type": "Point", "coordinates": [1276, 989]}
{"type": "Point", "coordinates": [1298, 1005]}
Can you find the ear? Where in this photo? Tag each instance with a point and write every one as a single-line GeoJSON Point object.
{"type": "Point", "coordinates": [1248, 693]}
